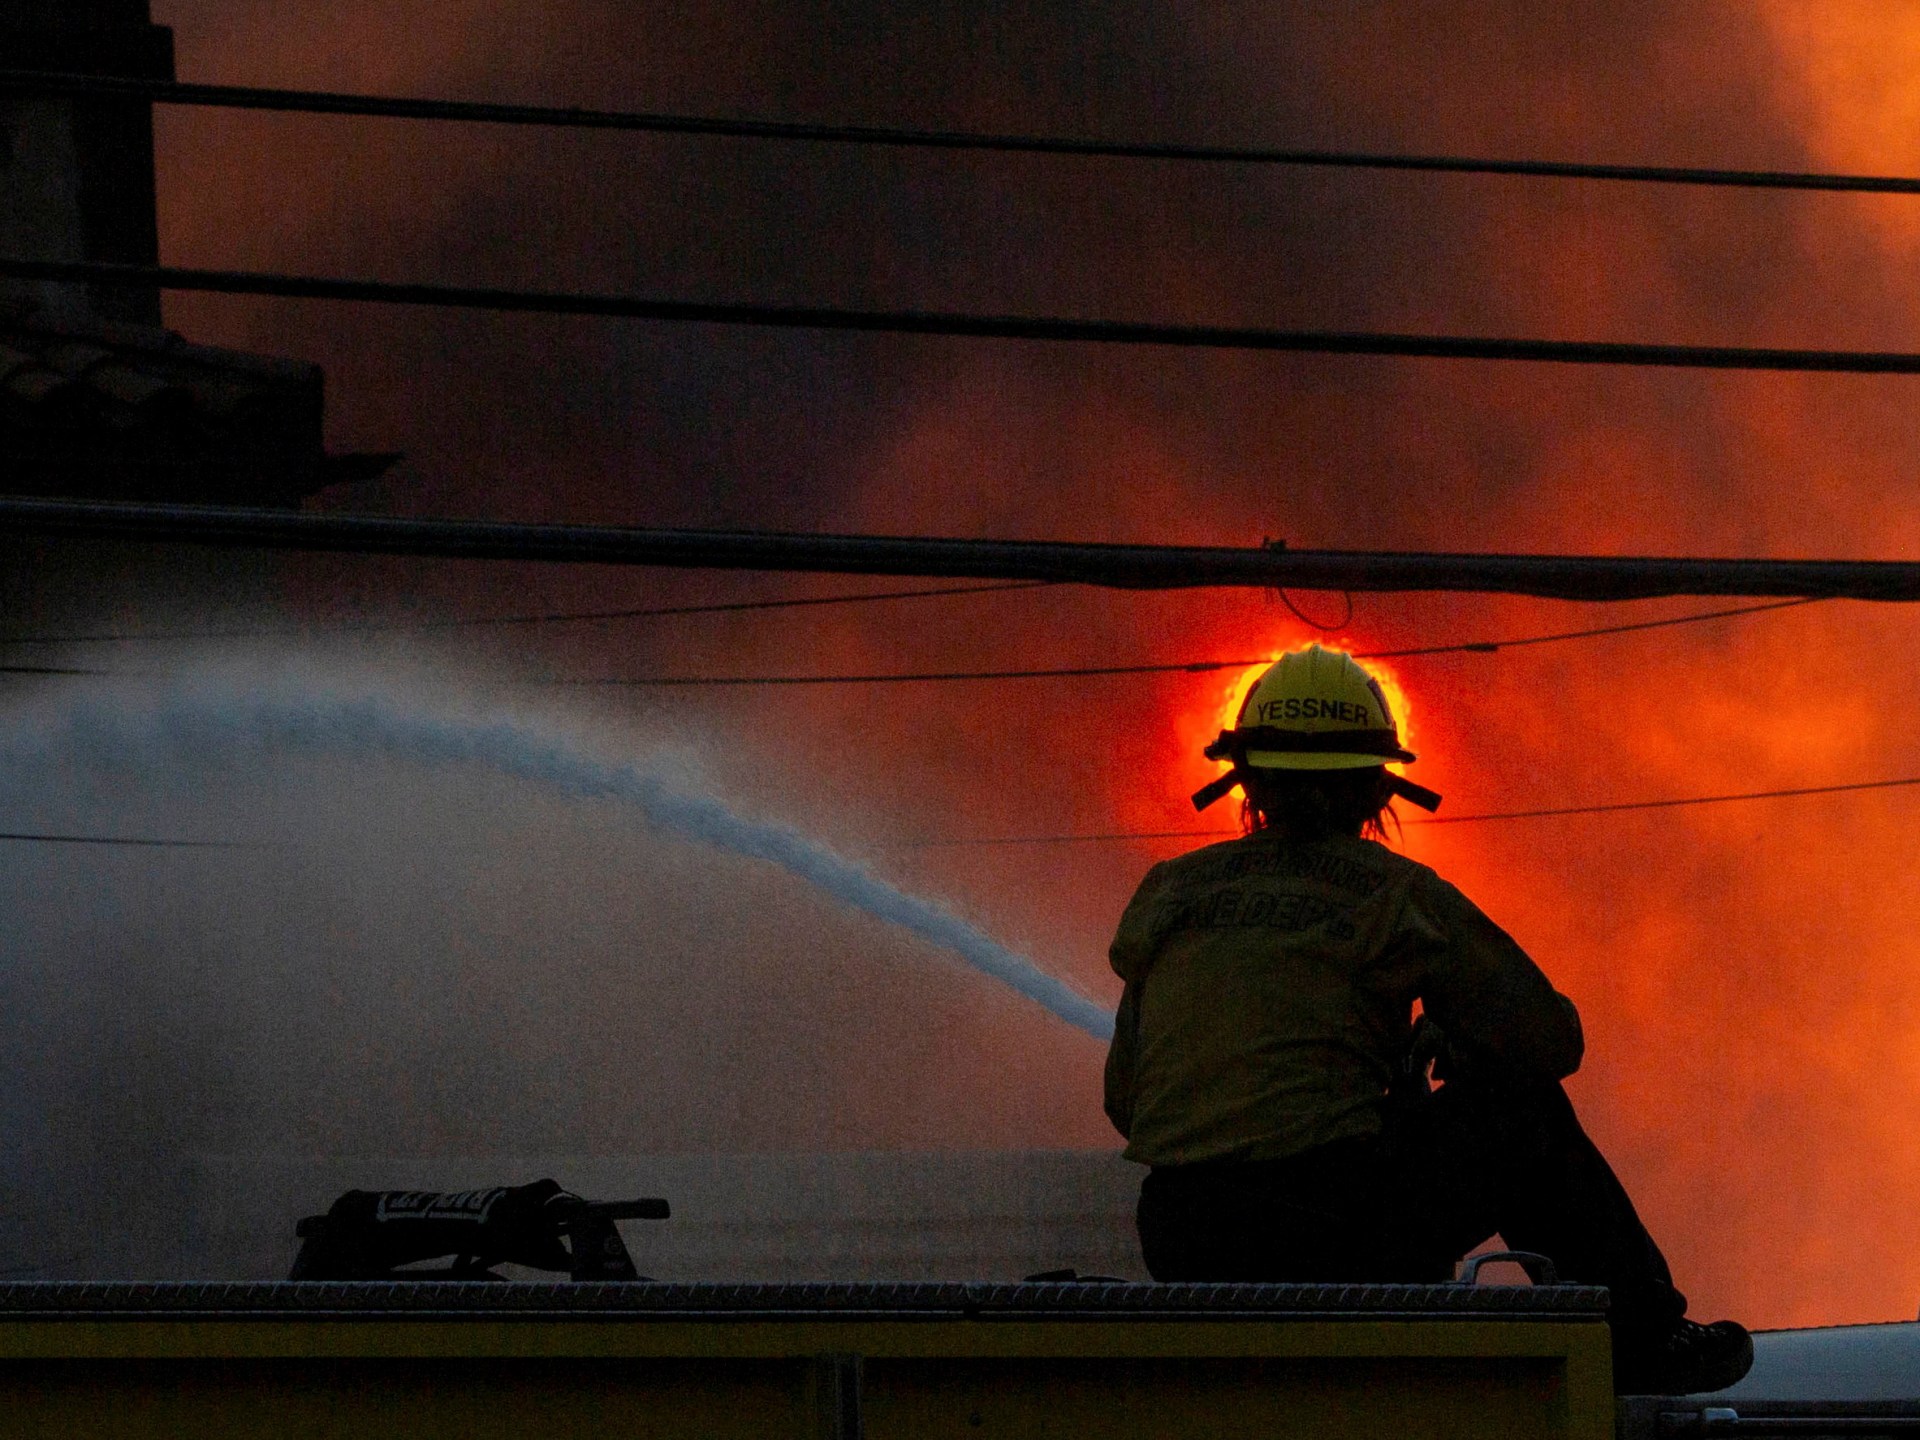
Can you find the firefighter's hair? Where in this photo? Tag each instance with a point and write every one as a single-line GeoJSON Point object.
{"type": "Point", "coordinates": [1316, 804]}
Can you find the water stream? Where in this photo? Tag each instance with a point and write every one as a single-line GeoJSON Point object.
{"type": "Point", "coordinates": [211, 722]}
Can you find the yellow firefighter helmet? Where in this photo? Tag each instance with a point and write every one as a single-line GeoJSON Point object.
{"type": "Point", "coordinates": [1313, 709]}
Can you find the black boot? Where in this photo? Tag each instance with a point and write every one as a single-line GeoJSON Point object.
{"type": "Point", "coordinates": [1687, 1359]}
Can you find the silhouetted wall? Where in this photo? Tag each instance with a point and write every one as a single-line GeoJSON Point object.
{"type": "Point", "coordinates": [76, 176]}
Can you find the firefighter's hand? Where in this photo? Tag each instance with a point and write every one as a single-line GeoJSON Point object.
{"type": "Point", "coordinates": [1429, 1043]}
{"type": "Point", "coordinates": [1457, 1063]}
{"type": "Point", "coordinates": [1409, 1085]}
{"type": "Point", "coordinates": [1451, 1059]}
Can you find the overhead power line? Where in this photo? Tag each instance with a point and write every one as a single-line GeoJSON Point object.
{"type": "Point", "coordinates": [1110, 836]}
{"type": "Point", "coordinates": [1515, 642]}
{"type": "Point", "coordinates": [53, 670]}
{"type": "Point", "coordinates": [1082, 839]}
{"type": "Point", "coordinates": [1171, 667]}
{"type": "Point", "coordinates": [965, 325]}
{"type": "Point", "coordinates": [139, 842]}
{"type": "Point", "coordinates": [1554, 813]}
{"type": "Point", "coordinates": [320, 102]}
{"type": "Point", "coordinates": [1194, 667]}
{"type": "Point", "coordinates": [967, 842]}
{"type": "Point", "coordinates": [478, 621]}
{"type": "Point", "coordinates": [1137, 567]}
{"type": "Point", "coordinates": [1667, 804]}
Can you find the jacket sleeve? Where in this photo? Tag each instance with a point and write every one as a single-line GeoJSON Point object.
{"type": "Point", "coordinates": [1120, 1061]}
{"type": "Point", "coordinates": [1131, 956]}
{"type": "Point", "coordinates": [1490, 999]}
{"type": "Point", "coordinates": [1131, 953]}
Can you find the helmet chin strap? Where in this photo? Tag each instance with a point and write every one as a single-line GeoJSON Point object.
{"type": "Point", "coordinates": [1215, 789]}
{"type": "Point", "coordinates": [1399, 785]}
{"type": "Point", "coordinates": [1427, 800]}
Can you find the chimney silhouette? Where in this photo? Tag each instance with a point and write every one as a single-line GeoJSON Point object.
{"type": "Point", "coordinates": [76, 172]}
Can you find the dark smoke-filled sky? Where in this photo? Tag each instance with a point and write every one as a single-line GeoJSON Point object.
{"type": "Point", "coordinates": [1749, 975]}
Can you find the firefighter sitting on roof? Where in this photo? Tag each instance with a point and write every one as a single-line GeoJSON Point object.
{"type": "Point", "coordinates": [1265, 1061]}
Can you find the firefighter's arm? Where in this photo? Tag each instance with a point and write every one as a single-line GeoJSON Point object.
{"type": "Point", "coordinates": [1499, 1012]}
{"type": "Point", "coordinates": [1131, 956]}
{"type": "Point", "coordinates": [1126, 1028]}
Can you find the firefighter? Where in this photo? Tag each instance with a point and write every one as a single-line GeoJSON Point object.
{"type": "Point", "coordinates": [1267, 1066]}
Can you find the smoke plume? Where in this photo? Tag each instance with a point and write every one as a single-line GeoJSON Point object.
{"type": "Point", "coordinates": [1747, 973]}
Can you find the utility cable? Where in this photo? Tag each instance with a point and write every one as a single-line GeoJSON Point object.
{"type": "Point", "coordinates": [1123, 567]}
{"type": "Point", "coordinates": [1110, 836]}
{"type": "Point", "coordinates": [1488, 647]}
{"type": "Point", "coordinates": [1666, 804]}
{"type": "Point", "coordinates": [1193, 667]}
{"type": "Point", "coordinates": [1173, 667]}
{"type": "Point", "coordinates": [59, 670]}
{"type": "Point", "coordinates": [1312, 624]}
{"type": "Point", "coordinates": [126, 840]}
{"type": "Point", "coordinates": [962, 324]}
{"type": "Point", "coordinates": [319, 102]}
{"type": "Point", "coordinates": [550, 618]}
{"type": "Point", "coordinates": [1555, 813]}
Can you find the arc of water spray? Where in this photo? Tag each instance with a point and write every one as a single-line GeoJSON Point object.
{"type": "Point", "coordinates": [189, 720]}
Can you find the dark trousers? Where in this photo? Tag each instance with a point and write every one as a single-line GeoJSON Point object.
{"type": "Point", "coordinates": [1450, 1170]}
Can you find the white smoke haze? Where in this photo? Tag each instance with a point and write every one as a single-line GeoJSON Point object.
{"type": "Point", "coordinates": [454, 930]}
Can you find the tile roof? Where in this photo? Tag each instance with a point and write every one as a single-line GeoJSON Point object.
{"type": "Point", "coordinates": [120, 411]}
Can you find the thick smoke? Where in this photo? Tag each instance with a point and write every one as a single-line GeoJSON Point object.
{"type": "Point", "coordinates": [1746, 972]}
{"type": "Point", "coordinates": [440, 933]}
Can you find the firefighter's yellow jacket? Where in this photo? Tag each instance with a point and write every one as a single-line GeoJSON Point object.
{"type": "Point", "coordinates": [1269, 987]}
